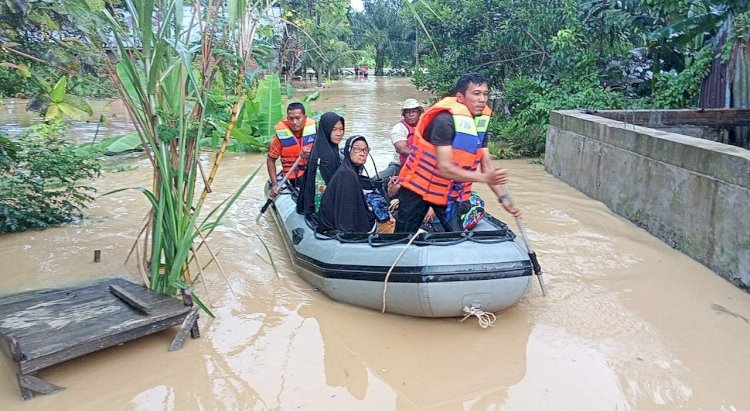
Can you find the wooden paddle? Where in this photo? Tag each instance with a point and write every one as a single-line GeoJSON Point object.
{"type": "Point", "coordinates": [532, 255]}
{"type": "Point", "coordinates": [283, 181]}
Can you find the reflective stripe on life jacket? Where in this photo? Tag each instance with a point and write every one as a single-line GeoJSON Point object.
{"type": "Point", "coordinates": [291, 147]}
{"type": "Point", "coordinates": [409, 140]}
{"type": "Point", "coordinates": [420, 172]}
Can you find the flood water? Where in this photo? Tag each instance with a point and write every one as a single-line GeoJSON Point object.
{"type": "Point", "coordinates": [627, 324]}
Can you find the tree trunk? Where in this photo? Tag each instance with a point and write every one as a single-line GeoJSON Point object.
{"type": "Point", "coordinates": [379, 61]}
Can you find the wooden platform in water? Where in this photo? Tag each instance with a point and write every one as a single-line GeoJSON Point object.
{"type": "Point", "coordinates": [42, 328]}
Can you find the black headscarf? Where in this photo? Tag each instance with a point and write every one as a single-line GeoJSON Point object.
{"type": "Point", "coordinates": [328, 153]}
{"type": "Point", "coordinates": [343, 206]}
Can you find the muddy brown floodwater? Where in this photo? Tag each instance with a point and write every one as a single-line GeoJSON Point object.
{"type": "Point", "coordinates": [628, 322]}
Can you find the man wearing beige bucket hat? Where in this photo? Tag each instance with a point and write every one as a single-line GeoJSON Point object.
{"type": "Point", "coordinates": [402, 135]}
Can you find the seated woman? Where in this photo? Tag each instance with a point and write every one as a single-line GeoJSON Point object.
{"type": "Point", "coordinates": [343, 206]}
{"type": "Point", "coordinates": [323, 162]}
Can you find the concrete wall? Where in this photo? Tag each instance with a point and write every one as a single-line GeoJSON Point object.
{"type": "Point", "coordinates": [725, 125]}
{"type": "Point", "coordinates": [693, 194]}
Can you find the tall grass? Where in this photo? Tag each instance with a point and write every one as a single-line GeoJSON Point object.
{"type": "Point", "coordinates": [155, 70]}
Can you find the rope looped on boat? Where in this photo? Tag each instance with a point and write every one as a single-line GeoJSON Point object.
{"type": "Point", "coordinates": [486, 319]}
{"type": "Point", "coordinates": [390, 270]}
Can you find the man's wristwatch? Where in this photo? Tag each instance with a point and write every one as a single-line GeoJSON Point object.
{"type": "Point", "coordinates": [502, 197]}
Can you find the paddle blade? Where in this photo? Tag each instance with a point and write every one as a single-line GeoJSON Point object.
{"type": "Point", "coordinates": [537, 271]}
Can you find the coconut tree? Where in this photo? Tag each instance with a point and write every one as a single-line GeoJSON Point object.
{"type": "Point", "coordinates": [382, 26]}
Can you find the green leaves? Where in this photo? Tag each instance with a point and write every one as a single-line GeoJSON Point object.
{"type": "Point", "coordinates": [61, 103]}
{"type": "Point", "coordinates": [42, 179]}
{"type": "Point", "coordinates": [271, 111]}
{"type": "Point", "coordinates": [23, 69]}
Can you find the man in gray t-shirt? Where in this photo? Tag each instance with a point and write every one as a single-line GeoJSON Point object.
{"type": "Point", "coordinates": [401, 136]}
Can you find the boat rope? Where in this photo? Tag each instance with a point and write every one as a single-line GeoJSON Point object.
{"type": "Point", "coordinates": [486, 319]}
{"type": "Point", "coordinates": [390, 270]}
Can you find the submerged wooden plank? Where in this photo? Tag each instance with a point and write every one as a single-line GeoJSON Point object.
{"type": "Point", "coordinates": [115, 318]}
{"type": "Point", "coordinates": [51, 326]}
{"type": "Point", "coordinates": [35, 384]}
{"type": "Point", "coordinates": [130, 299]}
{"type": "Point", "coordinates": [79, 349]}
{"type": "Point", "coordinates": [187, 326]}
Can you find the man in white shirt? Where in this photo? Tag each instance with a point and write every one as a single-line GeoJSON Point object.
{"type": "Point", "coordinates": [402, 135]}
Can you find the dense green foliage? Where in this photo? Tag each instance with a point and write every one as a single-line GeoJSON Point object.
{"type": "Point", "coordinates": [44, 38]}
{"type": "Point", "coordinates": [43, 179]}
{"type": "Point", "coordinates": [317, 38]}
{"type": "Point", "coordinates": [585, 54]}
{"type": "Point", "coordinates": [385, 26]}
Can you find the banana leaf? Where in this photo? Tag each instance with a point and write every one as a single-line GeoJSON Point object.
{"type": "Point", "coordinates": [269, 97]}
{"type": "Point", "coordinates": [122, 143]}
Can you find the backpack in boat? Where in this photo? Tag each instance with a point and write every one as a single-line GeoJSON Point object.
{"type": "Point", "coordinates": [379, 206]}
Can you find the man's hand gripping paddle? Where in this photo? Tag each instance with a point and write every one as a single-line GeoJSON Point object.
{"type": "Point", "coordinates": [281, 184]}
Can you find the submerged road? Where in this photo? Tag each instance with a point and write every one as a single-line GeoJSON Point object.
{"type": "Point", "coordinates": [628, 323]}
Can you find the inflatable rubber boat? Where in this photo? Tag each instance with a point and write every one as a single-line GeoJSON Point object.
{"type": "Point", "coordinates": [437, 275]}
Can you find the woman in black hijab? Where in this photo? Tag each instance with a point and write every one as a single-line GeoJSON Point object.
{"type": "Point", "coordinates": [343, 206]}
{"type": "Point", "coordinates": [324, 156]}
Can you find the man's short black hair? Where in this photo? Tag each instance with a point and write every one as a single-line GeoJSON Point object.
{"type": "Point", "coordinates": [468, 78]}
{"type": "Point", "coordinates": [295, 106]}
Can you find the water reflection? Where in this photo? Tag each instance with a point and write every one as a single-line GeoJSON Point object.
{"type": "Point", "coordinates": [460, 363]}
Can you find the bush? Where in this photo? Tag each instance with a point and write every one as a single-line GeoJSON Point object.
{"type": "Point", "coordinates": [675, 90]}
{"type": "Point", "coordinates": [529, 100]}
{"type": "Point", "coordinates": [42, 179]}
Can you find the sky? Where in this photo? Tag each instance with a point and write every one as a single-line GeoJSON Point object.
{"type": "Point", "coordinates": [357, 5]}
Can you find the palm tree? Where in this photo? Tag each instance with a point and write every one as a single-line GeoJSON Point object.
{"type": "Point", "coordinates": [381, 26]}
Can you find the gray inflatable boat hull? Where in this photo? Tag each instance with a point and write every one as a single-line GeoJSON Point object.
{"type": "Point", "coordinates": [437, 279]}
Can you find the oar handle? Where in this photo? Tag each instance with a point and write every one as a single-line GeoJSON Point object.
{"type": "Point", "coordinates": [283, 181]}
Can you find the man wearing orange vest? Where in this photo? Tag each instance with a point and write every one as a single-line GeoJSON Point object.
{"type": "Point", "coordinates": [448, 154]}
{"type": "Point", "coordinates": [294, 138]}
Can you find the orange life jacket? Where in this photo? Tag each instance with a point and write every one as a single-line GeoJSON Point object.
{"type": "Point", "coordinates": [420, 173]}
{"type": "Point", "coordinates": [291, 147]}
{"type": "Point", "coordinates": [409, 140]}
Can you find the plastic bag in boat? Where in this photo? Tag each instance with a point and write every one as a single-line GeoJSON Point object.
{"type": "Point", "coordinates": [474, 214]}
{"type": "Point", "coordinates": [379, 206]}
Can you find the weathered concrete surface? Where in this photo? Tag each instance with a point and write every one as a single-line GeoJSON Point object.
{"type": "Point", "coordinates": [725, 125]}
{"type": "Point", "coordinates": [694, 194]}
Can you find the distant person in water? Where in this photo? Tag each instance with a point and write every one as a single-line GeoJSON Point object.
{"type": "Point", "coordinates": [356, 71]}
{"type": "Point", "coordinates": [365, 71]}
{"type": "Point", "coordinates": [402, 136]}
